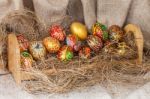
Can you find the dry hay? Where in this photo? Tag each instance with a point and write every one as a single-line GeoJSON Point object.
{"type": "Point", "coordinates": [74, 74]}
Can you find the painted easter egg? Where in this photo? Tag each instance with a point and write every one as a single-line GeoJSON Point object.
{"type": "Point", "coordinates": [23, 42]}
{"type": "Point", "coordinates": [79, 30]}
{"type": "Point", "coordinates": [115, 33]}
{"type": "Point", "coordinates": [37, 50]}
{"type": "Point", "coordinates": [100, 30]}
{"type": "Point", "coordinates": [26, 60]}
{"type": "Point", "coordinates": [94, 42]}
{"type": "Point", "coordinates": [57, 31]}
{"type": "Point", "coordinates": [65, 53]}
{"type": "Point", "coordinates": [85, 53]}
{"type": "Point", "coordinates": [73, 42]}
{"type": "Point", "coordinates": [51, 44]}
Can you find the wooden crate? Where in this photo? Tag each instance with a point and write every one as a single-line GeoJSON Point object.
{"type": "Point", "coordinates": [14, 64]}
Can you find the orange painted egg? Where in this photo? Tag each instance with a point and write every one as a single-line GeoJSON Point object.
{"type": "Point", "coordinates": [51, 44]}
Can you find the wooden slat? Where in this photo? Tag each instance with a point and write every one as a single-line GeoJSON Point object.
{"type": "Point", "coordinates": [14, 57]}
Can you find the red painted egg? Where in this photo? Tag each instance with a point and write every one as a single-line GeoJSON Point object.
{"type": "Point", "coordinates": [73, 42]}
{"type": "Point", "coordinates": [23, 42]}
{"type": "Point", "coordinates": [57, 31]}
{"type": "Point", "coordinates": [94, 42]}
{"type": "Point", "coordinates": [65, 53]}
{"type": "Point", "coordinates": [85, 53]}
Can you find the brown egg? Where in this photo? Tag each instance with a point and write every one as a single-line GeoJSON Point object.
{"type": "Point", "coordinates": [115, 33]}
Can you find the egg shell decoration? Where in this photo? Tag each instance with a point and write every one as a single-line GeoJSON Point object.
{"type": "Point", "coordinates": [85, 53]}
{"type": "Point", "coordinates": [94, 42]}
{"type": "Point", "coordinates": [100, 30]}
{"type": "Point", "coordinates": [79, 30]}
{"type": "Point", "coordinates": [65, 53]}
{"type": "Point", "coordinates": [73, 42]}
{"type": "Point", "coordinates": [51, 44]}
{"type": "Point", "coordinates": [37, 50]}
{"type": "Point", "coordinates": [26, 60]}
{"type": "Point", "coordinates": [57, 31]}
{"type": "Point", "coordinates": [23, 42]}
{"type": "Point", "coordinates": [115, 33]}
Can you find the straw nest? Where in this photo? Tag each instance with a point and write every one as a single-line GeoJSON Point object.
{"type": "Point", "coordinates": [77, 73]}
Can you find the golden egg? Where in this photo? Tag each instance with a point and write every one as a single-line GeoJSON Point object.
{"type": "Point", "coordinates": [79, 30]}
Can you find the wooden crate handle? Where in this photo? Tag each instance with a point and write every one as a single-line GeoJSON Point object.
{"type": "Point", "coordinates": [14, 57]}
{"type": "Point", "coordinates": [131, 28]}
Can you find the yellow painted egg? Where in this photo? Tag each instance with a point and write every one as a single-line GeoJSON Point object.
{"type": "Point", "coordinates": [37, 50]}
{"type": "Point", "coordinates": [79, 30]}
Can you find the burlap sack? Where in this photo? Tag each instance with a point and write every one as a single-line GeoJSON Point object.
{"type": "Point", "coordinates": [51, 11]}
{"type": "Point", "coordinates": [112, 12]}
{"type": "Point", "coordinates": [7, 6]}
